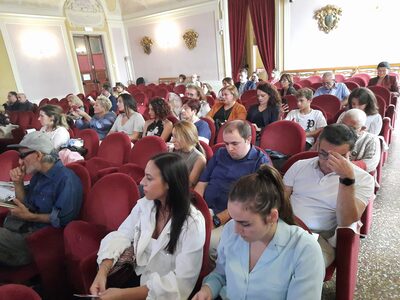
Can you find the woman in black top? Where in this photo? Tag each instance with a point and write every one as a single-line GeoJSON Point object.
{"type": "Point", "coordinates": [267, 109]}
{"type": "Point", "coordinates": [287, 85]}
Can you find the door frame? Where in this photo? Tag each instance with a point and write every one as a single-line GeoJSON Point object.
{"type": "Point", "coordinates": [107, 54]}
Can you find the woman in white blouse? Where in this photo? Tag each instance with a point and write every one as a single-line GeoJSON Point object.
{"type": "Point", "coordinates": [129, 120]}
{"type": "Point", "coordinates": [166, 232]}
{"type": "Point", "coordinates": [262, 253]}
{"type": "Point", "coordinates": [54, 123]}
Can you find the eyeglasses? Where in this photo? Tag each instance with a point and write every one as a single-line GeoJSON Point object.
{"type": "Point", "coordinates": [325, 155]}
{"type": "Point", "coordinates": [328, 83]}
{"type": "Point", "coordinates": [23, 155]}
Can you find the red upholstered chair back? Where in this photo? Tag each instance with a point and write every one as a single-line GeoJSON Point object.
{"type": "Point", "coordinates": [315, 79]}
{"type": "Point", "coordinates": [115, 148]}
{"type": "Point", "coordinates": [25, 119]}
{"type": "Point", "coordinates": [366, 77]}
{"type": "Point", "coordinates": [8, 160]}
{"type": "Point", "coordinates": [91, 142]}
{"type": "Point", "coordinates": [381, 91]}
{"type": "Point", "coordinates": [360, 81]}
{"type": "Point", "coordinates": [161, 92]}
{"type": "Point", "coordinates": [381, 105]}
{"type": "Point", "coordinates": [207, 150]}
{"type": "Point", "coordinates": [145, 149]}
{"type": "Point", "coordinates": [221, 130]}
{"type": "Point", "coordinates": [305, 83]}
{"type": "Point", "coordinates": [329, 103]}
{"type": "Point", "coordinates": [291, 101]}
{"type": "Point", "coordinates": [133, 171]}
{"type": "Point", "coordinates": [179, 89]}
{"type": "Point", "coordinates": [110, 201]}
{"type": "Point", "coordinates": [339, 78]}
{"type": "Point", "coordinates": [351, 85]}
{"type": "Point", "coordinates": [284, 136]}
{"type": "Point", "coordinates": [84, 176]}
{"type": "Point", "coordinates": [17, 292]}
{"type": "Point", "coordinates": [391, 114]}
{"type": "Point", "coordinates": [43, 102]}
{"type": "Point", "coordinates": [54, 101]}
{"type": "Point", "coordinates": [249, 98]}
{"type": "Point", "coordinates": [316, 85]}
{"type": "Point", "coordinates": [296, 157]}
{"type": "Point", "coordinates": [211, 125]}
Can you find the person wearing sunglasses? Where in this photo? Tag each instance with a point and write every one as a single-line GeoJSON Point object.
{"type": "Point", "coordinates": [328, 191]}
{"type": "Point", "coordinates": [330, 87]}
{"type": "Point", "coordinates": [52, 198]}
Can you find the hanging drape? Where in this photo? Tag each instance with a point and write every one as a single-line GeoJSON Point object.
{"type": "Point", "coordinates": [237, 11]}
{"type": "Point", "coordinates": [262, 14]}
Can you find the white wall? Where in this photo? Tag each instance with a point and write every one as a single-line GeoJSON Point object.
{"type": "Point", "coordinates": [40, 60]}
{"type": "Point", "coordinates": [170, 62]}
{"type": "Point", "coordinates": [366, 34]}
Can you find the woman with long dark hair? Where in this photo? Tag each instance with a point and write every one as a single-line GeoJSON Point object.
{"type": "Point", "coordinates": [167, 234]}
{"type": "Point", "coordinates": [262, 253]}
{"type": "Point", "coordinates": [129, 120]}
{"type": "Point", "coordinates": [158, 124]}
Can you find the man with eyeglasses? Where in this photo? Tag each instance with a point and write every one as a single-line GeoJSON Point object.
{"type": "Point", "coordinates": [52, 198]}
{"type": "Point", "coordinates": [329, 191]}
{"type": "Point", "coordinates": [330, 87]}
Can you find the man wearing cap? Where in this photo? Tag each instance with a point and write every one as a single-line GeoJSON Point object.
{"type": "Point", "coordinates": [384, 79]}
{"type": "Point", "coordinates": [52, 198]}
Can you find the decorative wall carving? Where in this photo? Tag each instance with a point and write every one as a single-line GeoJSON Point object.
{"type": "Point", "coordinates": [328, 17]}
{"type": "Point", "coordinates": [83, 13]}
{"type": "Point", "coordinates": [190, 38]}
{"type": "Point", "coordinates": [146, 42]}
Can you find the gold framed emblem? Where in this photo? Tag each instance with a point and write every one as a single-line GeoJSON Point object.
{"type": "Point", "coordinates": [328, 17]}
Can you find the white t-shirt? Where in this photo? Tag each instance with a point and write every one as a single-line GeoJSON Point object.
{"type": "Point", "coordinates": [59, 136]}
{"type": "Point", "coordinates": [134, 123]}
{"type": "Point", "coordinates": [314, 195]}
{"type": "Point", "coordinates": [310, 122]}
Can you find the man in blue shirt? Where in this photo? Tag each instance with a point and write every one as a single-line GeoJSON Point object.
{"type": "Point", "coordinates": [330, 87]}
{"type": "Point", "coordinates": [237, 159]}
{"type": "Point", "coordinates": [53, 197]}
{"type": "Point", "coordinates": [245, 84]}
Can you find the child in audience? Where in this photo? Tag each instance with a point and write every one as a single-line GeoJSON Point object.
{"type": "Point", "coordinates": [129, 120]}
{"type": "Point", "coordinates": [262, 253]}
{"type": "Point", "coordinates": [166, 232]}
{"type": "Point", "coordinates": [310, 119]}
{"type": "Point", "coordinates": [158, 124]}
{"type": "Point", "coordinates": [186, 143]}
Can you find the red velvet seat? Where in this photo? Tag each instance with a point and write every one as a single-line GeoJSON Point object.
{"type": "Point", "coordinates": [330, 104]}
{"type": "Point", "coordinates": [179, 89]}
{"type": "Point", "coordinates": [17, 292]}
{"type": "Point", "coordinates": [391, 114]}
{"type": "Point", "coordinates": [291, 101]}
{"type": "Point", "coordinates": [213, 130]}
{"type": "Point", "coordinates": [110, 201]}
{"type": "Point", "coordinates": [91, 141]}
{"type": "Point", "coordinates": [360, 81]}
{"type": "Point", "coordinates": [284, 136]}
{"type": "Point", "coordinates": [249, 98]}
{"type": "Point", "coordinates": [381, 105]}
{"type": "Point", "coordinates": [207, 149]}
{"type": "Point", "coordinates": [8, 160]}
{"type": "Point", "coordinates": [351, 85]}
{"type": "Point", "coordinates": [381, 91]}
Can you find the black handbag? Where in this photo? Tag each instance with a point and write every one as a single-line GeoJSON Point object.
{"type": "Point", "coordinates": [122, 274]}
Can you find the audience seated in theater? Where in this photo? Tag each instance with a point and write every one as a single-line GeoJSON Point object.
{"type": "Point", "coordinates": [286, 81]}
{"type": "Point", "coordinates": [106, 91]}
{"type": "Point", "coordinates": [54, 124]}
{"type": "Point", "coordinates": [52, 198]}
{"type": "Point", "coordinates": [158, 124]}
{"type": "Point", "coordinates": [384, 79]}
{"type": "Point", "coordinates": [227, 109]}
{"type": "Point", "coordinates": [244, 83]}
{"type": "Point", "coordinates": [120, 89]}
{"type": "Point", "coordinates": [181, 80]}
{"type": "Point", "coordinates": [227, 81]}
{"type": "Point", "coordinates": [329, 191]}
{"type": "Point", "coordinates": [196, 92]}
{"type": "Point", "coordinates": [103, 118]}
{"type": "Point", "coordinates": [24, 103]}
{"type": "Point", "coordinates": [175, 103]}
{"type": "Point", "coordinates": [268, 107]}
{"type": "Point", "coordinates": [195, 80]}
{"type": "Point", "coordinates": [186, 143]}
{"type": "Point", "coordinates": [129, 120]}
{"type": "Point", "coordinates": [310, 119]}
{"type": "Point", "coordinates": [75, 105]}
{"type": "Point", "coordinates": [364, 99]}
{"type": "Point", "coordinates": [262, 253]}
{"type": "Point", "coordinates": [367, 147]}
{"type": "Point", "coordinates": [189, 113]}
{"type": "Point", "coordinates": [228, 164]}
{"type": "Point", "coordinates": [166, 233]}
{"type": "Point", "coordinates": [330, 87]}
{"type": "Point", "coordinates": [12, 103]}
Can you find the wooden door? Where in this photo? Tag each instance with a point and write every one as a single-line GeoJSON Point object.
{"type": "Point", "coordinates": [92, 62]}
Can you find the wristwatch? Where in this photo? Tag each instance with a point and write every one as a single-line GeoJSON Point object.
{"type": "Point", "coordinates": [216, 221]}
{"type": "Point", "coordinates": [347, 181]}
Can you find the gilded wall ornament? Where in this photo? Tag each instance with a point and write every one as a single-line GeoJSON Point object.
{"type": "Point", "coordinates": [146, 42]}
{"type": "Point", "coordinates": [190, 38]}
{"type": "Point", "coordinates": [328, 17]}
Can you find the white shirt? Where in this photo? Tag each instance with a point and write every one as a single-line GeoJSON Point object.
{"type": "Point", "coordinates": [167, 276]}
{"type": "Point", "coordinates": [134, 123]}
{"type": "Point", "coordinates": [59, 136]}
{"type": "Point", "coordinates": [204, 109]}
{"type": "Point", "coordinates": [314, 195]}
{"type": "Point", "coordinates": [309, 122]}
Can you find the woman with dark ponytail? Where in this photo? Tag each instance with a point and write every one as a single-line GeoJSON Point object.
{"type": "Point", "coordinates": [167, 235]}
{"type": "Point", "coordinates": [262, 253]}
